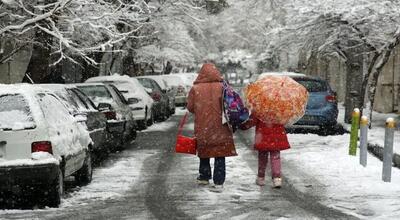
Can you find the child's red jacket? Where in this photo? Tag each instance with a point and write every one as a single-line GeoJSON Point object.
{"type": "Point", "coordinates": [268, 138]}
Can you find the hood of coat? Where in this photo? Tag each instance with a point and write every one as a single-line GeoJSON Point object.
{"type": "Point", "coordinates": [208, 73]}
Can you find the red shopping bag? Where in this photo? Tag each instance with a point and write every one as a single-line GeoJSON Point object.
{"type": "Point", "coordinates": [184, 144]}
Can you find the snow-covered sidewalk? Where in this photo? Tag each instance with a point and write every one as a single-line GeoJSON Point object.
{"type": "Point", "coordinates": [347, 185]}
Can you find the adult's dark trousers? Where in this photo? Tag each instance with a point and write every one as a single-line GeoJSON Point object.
{"type": "Point", "coordinates": [219, 170]}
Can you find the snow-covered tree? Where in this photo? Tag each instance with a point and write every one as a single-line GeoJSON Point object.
{"type": "Point", "coordinates": [78, 27]}
{"type": "Point", "coordinates": [346, 29]}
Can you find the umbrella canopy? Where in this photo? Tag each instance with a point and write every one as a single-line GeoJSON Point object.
{"type": "Point", "coordinates": [276, 99]}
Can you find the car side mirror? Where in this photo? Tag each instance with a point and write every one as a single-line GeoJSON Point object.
{"type": "Point", "coordinates": [123, 91]}
{"type": "Point", "coordinates": [133, 101]}
{"type": "Point", "coordinates": [104, 107]}
{"type": "Point", "coordinates": [164, 91]}
{"type": "Point", "coordinates": [80, 117]}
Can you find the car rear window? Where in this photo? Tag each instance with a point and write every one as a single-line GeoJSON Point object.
{"type": "Point", "coordinates": [174, 81]}
{"type": "Point", "coordinates": [15, 113]}
{"type": "Point", "coordinates": [146, 83]}
{"type": "Point", "coordinates": [313, 85]}
{"type": "Point", "coordinates": [97, 93]}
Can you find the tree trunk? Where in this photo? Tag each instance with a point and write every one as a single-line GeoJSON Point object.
{"type": "Point", "coordinates": [384, 56]}
{"type": "Point", "coordinates": [376, 65]}
{"type": "Point", "coordinates": [38, 67]}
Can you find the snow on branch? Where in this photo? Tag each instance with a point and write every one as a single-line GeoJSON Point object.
{"type": "Point", "coordinates": [79, 26]}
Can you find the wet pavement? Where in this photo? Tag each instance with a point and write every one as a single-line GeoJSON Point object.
{"type": "Point", "coordinates": [149, 181]}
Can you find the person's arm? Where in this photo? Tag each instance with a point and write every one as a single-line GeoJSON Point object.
{"type": "Point", "coordinates": [249, 123]}
{"type": "Point", "coordinates": [190, 101]}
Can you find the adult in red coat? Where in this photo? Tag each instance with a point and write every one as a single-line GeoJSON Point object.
{"type": "Point", "coordinates": [269, 139]}
{"type": "Point", "coordinates": [213, 138]}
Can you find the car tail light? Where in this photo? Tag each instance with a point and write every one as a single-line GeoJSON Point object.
{"type": "Point", "coordinates": [156, 96]}
{"type": "Point", "coordinates": [42, 146]}
{"type": "Point", "coordinates": [330, 98]}
{"type": "Point", "coordinates": [110, 115]}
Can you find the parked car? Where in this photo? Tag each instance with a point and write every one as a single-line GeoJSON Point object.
{"type": "Point", "coordinates": [109, 100]}
{"type": "Point", "coordinates": [142, 109]}
{"type": "Point", "coordinates": [165, 89]}
{"type": "Point", "coordinates": [322, 109]}
{"type": "Point", "coordinates": [79, 104]}
{"type": "Point", "coordinates": [41, 143]}
{"type": "Point", "coordinates": [161, 102]}
{"type": "Point", "coordinates": [180, 88]}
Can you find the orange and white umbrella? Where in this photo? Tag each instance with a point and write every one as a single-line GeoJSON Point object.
{"type": "Point", "coordinates": [276, 99]}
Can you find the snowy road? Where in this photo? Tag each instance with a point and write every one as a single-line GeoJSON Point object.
{"type": "Point", "coordinates": [149, 181]}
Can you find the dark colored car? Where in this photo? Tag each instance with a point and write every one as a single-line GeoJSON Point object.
{"type": "Point", "coordinates": [109, 100]}
{"type": "Point", "coordinates": [169, 90]}
{"type": "Point", "coordinates": [160, 97]}
{"type": "Point", "coordinates": [322, 109]}
{"type": "Point", "coordinates": [79, 104]}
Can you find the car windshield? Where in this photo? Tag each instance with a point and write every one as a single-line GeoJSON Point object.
{"type": "Point", "coordinates": [313, 85]}
{"type": "Point", "coordinates": [97, 93]}
{"type": "Point", "coordinates": [15, 113]}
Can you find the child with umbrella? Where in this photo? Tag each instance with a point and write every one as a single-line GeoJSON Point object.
{"type": "Point", "coordinates": [274, 101]}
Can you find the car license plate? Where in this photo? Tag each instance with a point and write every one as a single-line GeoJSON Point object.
{"type": "Point", "coordinates": [117, 127]}
{"type": "Point", "coordinates": [2, 149]}
{"type": "Point", "coordinates": [307, 118]}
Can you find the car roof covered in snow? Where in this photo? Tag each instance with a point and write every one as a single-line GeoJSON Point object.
{"type": "Point", "coordinates": [23, 88]}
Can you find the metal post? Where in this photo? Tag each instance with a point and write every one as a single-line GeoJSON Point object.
{"type": "Point", "coordinates": [355, 120]}
{"type": "Point", "coordinates": [363, 140]}
{"type": "Point", "coordinates": [388, 150]}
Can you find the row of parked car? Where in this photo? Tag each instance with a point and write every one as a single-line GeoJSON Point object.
{"type": "Point", "coordinates": [52, 131]}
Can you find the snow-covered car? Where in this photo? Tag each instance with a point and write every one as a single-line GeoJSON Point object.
{"type": "Point", "coordinates": [188, 79]}
{"type": "Point", "coordinates": [160, 97]}
{"type": "Point", "coordinates": [109, 100]}
{"type": "Point", "coordinates": [41, 143]}
{"type": "Point", "coordinates": [79, 104]}
{"type": "Point", "coordinates": [179, 86]}
{"type": "Point", "coordinates": [140, 102]}
{"type": "Point", "coordinates": [165, 89]}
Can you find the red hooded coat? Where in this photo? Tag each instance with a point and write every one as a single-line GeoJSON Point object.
{"type": "Point", "coordinates": [268, 137]}
{"type": "Point", "coordinates": [205, 101]}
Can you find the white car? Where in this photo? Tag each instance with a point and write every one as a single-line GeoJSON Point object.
{"type": "Point", "coordinates": [41, 143]}
{"type": "Point", "coordinates": [131, 88]}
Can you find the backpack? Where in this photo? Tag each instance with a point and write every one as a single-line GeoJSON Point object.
{"type": "Point", "coordinates": [234, 111]}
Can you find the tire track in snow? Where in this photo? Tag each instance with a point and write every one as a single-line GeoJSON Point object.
{"type": "Point", "coordinates": [307, 201]}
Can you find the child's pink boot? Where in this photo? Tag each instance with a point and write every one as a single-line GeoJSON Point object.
{"type": "Point", "coordinates": [260, 181]}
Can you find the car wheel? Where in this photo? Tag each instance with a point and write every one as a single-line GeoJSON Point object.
{"type": "Point", "coordinates": [84, 175]}
{"type": "Point", "coordinates": [328, 130]}
{"type": "Point", "coordinates": [142, 125]}
{"type": "Point", "coordinates": [150, 121]}
{"type": "Point", "coordinates": [56, 191]}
